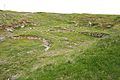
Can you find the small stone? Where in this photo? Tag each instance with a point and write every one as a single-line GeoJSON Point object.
{"type": "Point", "coordinates": [70, 46]}
{"type": "Point", "coordinates": [2, 38]}
{"type": "Point", "coordinates": [14, 77]}
{"type": "Point", "coordinates": [10, 29]}
{"type": "Point", "coordinates": [30, 28]}
{"type": "Point", "coordinates": [22, 26]}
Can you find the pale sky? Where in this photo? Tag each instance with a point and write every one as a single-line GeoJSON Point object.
{"type": "Point", "coordinates": [63, 6]}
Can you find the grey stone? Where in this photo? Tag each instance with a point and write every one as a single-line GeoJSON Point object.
{"type": "Point", "coordinates": [2, 38]}
{"type": "Point", "coordinates": [10, 29]}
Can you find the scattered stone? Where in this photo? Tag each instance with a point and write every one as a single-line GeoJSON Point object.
{"type": "Point", "coordinates": [95, 34]}
{"type": "Point", "coordinates": [2, 38]}
{"type": "Point", "coordinates": [90, 23]}
{"type": "Point", "coordinates": [46, 43]}
{"type": "Point", "coordinates": [30, 28]}
{"type": "Point", "coordinates": [22, 26]}
{"type": "Point", "coordinates": [46, 47]}
{"type": "Point", "coordinates": [17, 25]}
{"type": "Point", "coordinates": [9, 29]}
{"type": "Point", "coordinates": [14, 77]}
{"type": "Point", "coordinates": [71, 46]}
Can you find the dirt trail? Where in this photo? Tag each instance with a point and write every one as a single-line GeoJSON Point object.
{"type": "Point", "coordinates": [46, 43]}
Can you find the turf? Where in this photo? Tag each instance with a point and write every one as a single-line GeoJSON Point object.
{"type": "Point", "coordinates": [72, 55]}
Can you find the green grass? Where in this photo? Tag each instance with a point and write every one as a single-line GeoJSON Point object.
{"type": "Point", "coordinates": [72, 56]}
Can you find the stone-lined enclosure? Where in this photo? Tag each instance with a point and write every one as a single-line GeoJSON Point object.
{"type": "Point", "coordinates": [46, 43]}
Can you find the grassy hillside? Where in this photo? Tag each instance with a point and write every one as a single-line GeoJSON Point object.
{"type": "Point", "coordinates": [49, 46]}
